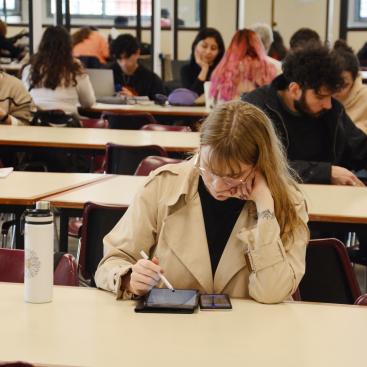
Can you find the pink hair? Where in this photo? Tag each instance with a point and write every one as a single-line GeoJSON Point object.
{"type": "Point", "coordinates": [244, 61]}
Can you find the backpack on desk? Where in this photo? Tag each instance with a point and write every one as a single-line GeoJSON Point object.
{"type": "Point", "coordinates": [182, 97]}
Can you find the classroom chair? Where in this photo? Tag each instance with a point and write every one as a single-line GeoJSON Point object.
{"type": "Point", "coordinates": [12, 267]}
{"type": "Point", "coordinates": [128, 120]}
{"type": "Point", "coordinates": [152, 162]}
{"type": "Point", "coordinates": [124, 159]}
{"type": "Point", "coordinates": [98, 220]}
{"type": "Point", "coordinates": [329, 275]}
{"type": "Point", "coordinates": [159, 127]}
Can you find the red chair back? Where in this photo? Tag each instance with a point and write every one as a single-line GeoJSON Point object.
{"type": "Point", "coordinates": [152, 162]}
{"type": "Point", "coordinates": [128, 120]}
{"type": "Point", "coordinates": [159, 127]}
{"type": "Point", "coordinates": [361, 300]}
{"type": "Point", "coordinates": [12, 268]}
{"type": "Point", "coordinates": [124, 159]}
{"type": "Point", "coordinates": [93, 123]}
{"type": "Point", "coordinates": [329, 275]}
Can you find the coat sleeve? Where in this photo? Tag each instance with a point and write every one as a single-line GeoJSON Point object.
{"type": "Point", "coordinates": [136, 231]}
{"type": "Point", "coordinates": [276, 270]}
{"type": "Point", "coordinates": [21, 105]}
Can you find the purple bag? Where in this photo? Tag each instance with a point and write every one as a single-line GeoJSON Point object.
{"type": "Point", "coordinates": [182, 97]}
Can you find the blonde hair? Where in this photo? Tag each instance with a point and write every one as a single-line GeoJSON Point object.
{"type": "Point", "coordinates": [238, 132]}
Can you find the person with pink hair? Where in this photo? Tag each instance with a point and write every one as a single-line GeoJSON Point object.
{"type": "Point", "coordinates": [243, 68]}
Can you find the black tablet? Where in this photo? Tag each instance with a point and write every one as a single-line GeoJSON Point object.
{"type": "Point", "coordinates": [164, 300]}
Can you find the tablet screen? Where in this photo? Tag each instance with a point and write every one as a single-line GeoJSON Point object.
{"type": "Point", "coordinates": [165, 298]}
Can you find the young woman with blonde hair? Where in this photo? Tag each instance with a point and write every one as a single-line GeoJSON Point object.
{"type": "Point", "coordinates": [230, 220]}
{"type": "Point", "coordinates": [243, 68]}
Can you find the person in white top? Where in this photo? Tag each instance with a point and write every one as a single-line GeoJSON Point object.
{"type": "Point", "coordinates": [54, 78]}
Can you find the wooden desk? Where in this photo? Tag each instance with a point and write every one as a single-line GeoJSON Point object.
{"type": "Point", "coordinates": [94, 139]}
{"type": "Point", "coordinates": [22, 189]}
{"type": "Point", "coordinates": [119, 190]}
{"type": "Point", "coordinates": [341, 204]}
{"type": "Point", "coordinates": [198, 111]}
{"type": "Point", "coordinates": [13, 68]}
{"type": "Point", "coordinates": [25, 188]}
{"type": "Point", "coordinates": [326, 203]}
{"type": "Point", "coordinates": [88, 327]}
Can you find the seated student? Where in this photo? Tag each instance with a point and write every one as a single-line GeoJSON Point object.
{"type": "Point", "coordinates": [265, 33]}
{"type": "Point", "coordinates": [132, 78]}
{"type": "Point", "coordinates": [354, 94]}
{"type": "Point", "coordinates": [243, 68]}
{"type": "Point", "coordinates": [320, 139]}
{"type": "Point", "coordinates": [16, 105]}
{"type": "Point", "coordinates": [304, 36]}
{"type": "Point", "coordinates": [87, 41]}
{"type": "Point", "coordinates": [8, 44]}
{"type": "Point", "coordinates": [230, 220]}
{"type": "Point", "coordinates": [54, 78]}
{"type": "Point", "coordinates": [277, 49]}
{"type": "Point", "coordinates": [206, 52]}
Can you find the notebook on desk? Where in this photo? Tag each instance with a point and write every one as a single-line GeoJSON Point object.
{"type": "Point", "coordinates": [125, 100]}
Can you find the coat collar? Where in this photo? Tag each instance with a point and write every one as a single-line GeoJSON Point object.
{"type": "Point", "coordinates": [185, 224]}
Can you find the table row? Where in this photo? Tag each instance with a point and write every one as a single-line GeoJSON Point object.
{"type": "Point", "coordinates": [88, 327]}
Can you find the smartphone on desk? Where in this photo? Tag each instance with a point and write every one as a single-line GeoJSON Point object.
{"type": "Point", "coordinates": [215, 302]}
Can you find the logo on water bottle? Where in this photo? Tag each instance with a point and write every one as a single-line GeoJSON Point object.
{"type": "Point", "coordinates": [32, 263]}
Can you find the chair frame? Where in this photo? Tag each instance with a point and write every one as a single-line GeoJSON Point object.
{"type": "Point", "coordinates": [110, 146]}
{"type": "Point", "coordinates": [83, 243]}
{"type": "Point", "coordinates": [344, 260]}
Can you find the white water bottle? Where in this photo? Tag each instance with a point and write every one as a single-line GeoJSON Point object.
{"type": "Point", "coordinates": [38, 254]}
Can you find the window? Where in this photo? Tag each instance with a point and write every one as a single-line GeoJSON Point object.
{"type": "Point", "coordinates": [357, 13]}
{"type": "Point", "coordinates": [124, 12]}
{"type": "Point", "coordinates": [10, 10]}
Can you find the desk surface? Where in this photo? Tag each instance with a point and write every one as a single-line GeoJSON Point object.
{"type": "Point", "coordinates": [119, 190]}
{"type": "Point", "coordinates": [326, 203]}
{"type": "Point", "coordinates": [96, 139]}
{"type": "Point", "coordinates": [154, 109]}
{"type": "Point", "coordinates": [25, 188]}
{"type": "Point", "coordinates": [329, 203]}
{"type": "Point", "coordinates": [88, 327]}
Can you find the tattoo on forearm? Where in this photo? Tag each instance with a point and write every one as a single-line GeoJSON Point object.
{"type": "Point", "coordinates": [266, 214]}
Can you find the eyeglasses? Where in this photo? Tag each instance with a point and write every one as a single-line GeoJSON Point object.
{"type": "Point", "coordinates": [229, 181]}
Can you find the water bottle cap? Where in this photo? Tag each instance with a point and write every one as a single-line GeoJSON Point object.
{"type": "Point", "coordinates": [43, 205]}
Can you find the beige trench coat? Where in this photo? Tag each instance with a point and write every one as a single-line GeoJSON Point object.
{"type": "Point", "coordinates": [166, 220]}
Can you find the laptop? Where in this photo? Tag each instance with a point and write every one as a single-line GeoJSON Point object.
{"type": "Point", "coordinates": [102, 82]}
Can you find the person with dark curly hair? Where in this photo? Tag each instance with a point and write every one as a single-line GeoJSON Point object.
{"type": "Point", "coordinates": [130, 77]}
{"type": "Point", "coordinates": [54, 78]}
{"type": "Point", "coordinates": [354, 94]}
{"type": "Point", "coordinates": [304, 36]}
{"type": "Point", "coordinates": [322, 143]}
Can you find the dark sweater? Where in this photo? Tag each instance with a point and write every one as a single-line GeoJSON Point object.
{"type": "Point", "coordinates": [189, 77]}
{"type": "Point", "coordinates": [219, 218]}
{"type": "Point", "coordinates": [144, 82]}
{"type": "Point", "coordinates": [344, 144]}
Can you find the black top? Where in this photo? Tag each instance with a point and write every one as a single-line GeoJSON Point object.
{"type": "Point", "coordinates": [313, 133]}
{"type": "Point", "coordinates": [219, 218]}
{"type": "Point", "coordinates": [189, 77]}
{"type": "Point", "coordinates": [144, 82]}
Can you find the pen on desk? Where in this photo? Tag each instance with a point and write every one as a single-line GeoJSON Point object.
{"type": "Point", "coordinates": [163, 278]}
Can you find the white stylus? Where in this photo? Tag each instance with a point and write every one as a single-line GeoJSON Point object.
{"type": "Point", "coordinates": [163, 278]}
